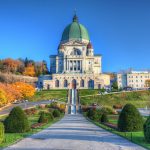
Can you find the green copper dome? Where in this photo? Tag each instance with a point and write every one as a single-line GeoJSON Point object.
{"type": "Point", "coordinates": [75, 31]}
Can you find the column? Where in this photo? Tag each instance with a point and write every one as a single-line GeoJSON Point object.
{"type": "Point", "coordinates": [76, 65]}
{"type": "Point", "coordinates": [64, 64]}
{"type": "Point", "coordinates": [73, 65]}
{"type": "Point", "coordinates": [81, 66]}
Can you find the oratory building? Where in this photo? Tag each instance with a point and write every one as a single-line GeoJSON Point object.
{"type": "Point", "coordinates": [75, 64]}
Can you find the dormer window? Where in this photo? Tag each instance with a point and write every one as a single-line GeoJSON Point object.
{"type": "Point", "coordinates": [76, 52]}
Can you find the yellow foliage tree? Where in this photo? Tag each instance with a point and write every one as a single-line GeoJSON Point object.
{"type": "Point", "coordinates": [29, 71]}
{"type": "Point", "coordinates": [3, 99]}
{"type": "Point", "coordinates": [11, 93]}
{"type": "Point", "coordinates": [147, 83]}
{"type": "Point", "coordinates": [25, 89]}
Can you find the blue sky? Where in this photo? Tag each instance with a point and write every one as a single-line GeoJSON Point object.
{"type": "Point", "coordinates": [119, 29]}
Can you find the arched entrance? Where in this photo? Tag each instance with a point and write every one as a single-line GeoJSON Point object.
{"type": "Point", "coordinates": [74, 84]}
{"type": "Point", "coordinates": [91, 84]}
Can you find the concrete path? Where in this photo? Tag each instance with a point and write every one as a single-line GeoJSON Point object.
{"type": "Point", "coordinates": [74, 132]}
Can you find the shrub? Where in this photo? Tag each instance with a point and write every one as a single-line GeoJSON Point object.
{"type": "Point", "coordinates": [104, 118]}
{"type": "Point", "coordinates": [147, 129]}
{"type": "Point", "coordinates": [17, 121]}
{"type": "Point", "coordinates": [130, 119]}
{"type": "Point", "coordinates": [56, 113]}
{"type": "Point", "coordinates": [94, 114]}
{"type": "Point", "coordinates": [45, 117]}
{"type": "Point", "coordinates": [108, 110]}
{"type": "Point", "coordinates": [1, 132]}
{"type": "Point", "coordinates": [54, 105]}
{"type": "Point", "coordinates": [85, 108]}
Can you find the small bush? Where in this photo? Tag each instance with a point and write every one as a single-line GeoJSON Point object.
{"type": "Point", "coordinates": [108, 110]}
{"type": "Point", "coordinates": [130, 119]}
{"type": "Point", "coordinates": [45, 117]}
{"type": "Point", "coordinates": [54, 105]}
{"type": "Point", "coordinates": [104, 118]}
{"type": "Point", "coordinates": [85, 108]}
{"type": "Point", "coordinates": [147, 129]}
{"type": "Point", "coordinates": [94, 114]}
{"type": "Point", "coordinates": [17, 121]}
{"type": "Point", "coordinates": [56, 113]}
{"type": "Point", "coordinates": [1, 132]}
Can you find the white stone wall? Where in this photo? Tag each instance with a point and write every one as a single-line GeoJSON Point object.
{"type": "Point", "coordinates": [99, 81]}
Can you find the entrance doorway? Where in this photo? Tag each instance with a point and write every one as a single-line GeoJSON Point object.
{"type": "Point", "coordinates": [74, 84]}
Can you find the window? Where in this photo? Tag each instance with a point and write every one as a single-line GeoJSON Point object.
{"type": "Point", "coordinates": [65, 83]}
{"type": "Point", "coordinates": [57, 83]}
{"type": "Point", "coordinates": [76, 52]}
{"type": "Point", "coordinates": [82, 83]}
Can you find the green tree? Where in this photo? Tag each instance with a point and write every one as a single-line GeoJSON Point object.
{"type": "Point", "coordinates": [130, 119]}
{"type": "Point", "coordinates": [17, 121]}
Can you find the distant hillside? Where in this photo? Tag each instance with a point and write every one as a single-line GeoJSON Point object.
{"type": "Point", "coordinates": [11, 78]}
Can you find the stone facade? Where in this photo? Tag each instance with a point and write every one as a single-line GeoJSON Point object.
{"type": "Point", "coordinates": [75, 64]}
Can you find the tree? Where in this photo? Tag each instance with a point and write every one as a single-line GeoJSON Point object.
{"type": "Point", "coordinates": [3, 99]}
{"type": "Point", "coordinates": [2, 132]}
{"type": "Point", "coordinates": [147, 129]}
{"type": "Point", "coordinates": [17, 121]}
{"type": "Point", "coordinates": [10, 65]}
{"type": "Point", "coordinates": [130, 119]}
{"type": "Point", "coordinates": [25, 89]}
{"type": "Point", "coordinates": [11, 93]}
{"type": "Point", "coordinates": [147, 83]}
{"type": "Point", "coordinates": [104, 118]}
{"type": "Point", "coordinates": [114, 86]}
{"type": "Point", "coordinates": [29, 71]}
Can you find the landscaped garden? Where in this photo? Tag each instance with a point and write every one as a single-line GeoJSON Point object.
{"type": "Point", "coordinates": [20, 124]}
{"type": "Point", "coordinates": [128, 124]}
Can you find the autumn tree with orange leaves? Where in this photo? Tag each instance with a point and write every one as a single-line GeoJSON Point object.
{"type": "Point", "coordinates": [11, 93]}
{"type": "Point", "coordinates": [25, 89]}
{"type": "Point", "coordinates": [3, 99]}
{"type": "Point", "coordinates": [29, 71]}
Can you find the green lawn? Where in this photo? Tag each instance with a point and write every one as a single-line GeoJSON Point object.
{"type": "Point", "coordinates": [140, 98]}
{"type": "Point", "coordinates": [50, 94]}
{"type": "Point", "coordinates": [11, 138]}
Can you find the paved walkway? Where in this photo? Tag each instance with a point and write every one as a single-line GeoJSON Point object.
{"type": "Point", "coordinates": [74, 132]}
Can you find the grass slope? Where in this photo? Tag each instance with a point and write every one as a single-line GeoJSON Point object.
{"type": "Point", "coordinates": [138, 98]}
{"type": "Point", "coordinates": [50, 94]}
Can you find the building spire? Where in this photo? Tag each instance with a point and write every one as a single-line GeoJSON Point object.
{"type": "Point", "coordinates": [75, 18]}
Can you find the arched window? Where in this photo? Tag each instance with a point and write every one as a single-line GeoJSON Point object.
{"type": "Point", "coordinates": [65, 83]}
{"type": "Point", "coordinates": [48, 86]}
{"type": "Point", "coordinates": [76, 52]}
{"type": "Point", "coordinates": [57, 83]}
{"type": "Point", "coordinates": [82, 83]}
{"type": "Point", "coordinates": [90, 84]}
